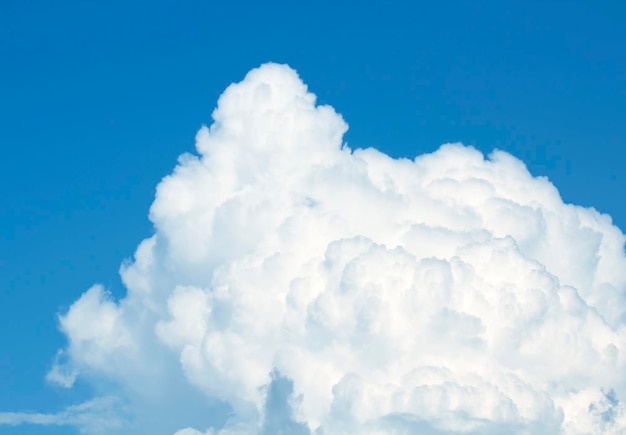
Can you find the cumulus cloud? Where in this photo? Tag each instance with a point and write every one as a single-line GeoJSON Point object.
{"type": "Point", "coordinates": [306, 286]}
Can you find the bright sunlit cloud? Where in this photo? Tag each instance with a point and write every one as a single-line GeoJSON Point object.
{"type": "Point", "coordinates": [308, 286]}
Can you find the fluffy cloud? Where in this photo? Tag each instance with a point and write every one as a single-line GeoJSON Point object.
{"type": "Point", "coordinates": [314, 288]}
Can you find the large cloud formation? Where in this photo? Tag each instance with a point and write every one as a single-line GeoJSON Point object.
{"type": "Point", "coordinates": [312, 288]}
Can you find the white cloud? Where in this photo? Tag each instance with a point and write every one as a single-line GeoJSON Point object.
{"type": "Point", "coordinates": [93, 417]}
{"type": "Point", "coordinates": [450, 293]}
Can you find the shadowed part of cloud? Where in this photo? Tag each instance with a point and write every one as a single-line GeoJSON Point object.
{"type": "Point", "coordinates": [279, 409]}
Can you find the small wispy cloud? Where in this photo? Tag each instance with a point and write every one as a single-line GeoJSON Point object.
{"type": "Point", "coordinates": [101, 415]}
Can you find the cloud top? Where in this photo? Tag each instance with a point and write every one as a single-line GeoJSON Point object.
{"type": "Point", "coordinates": [449, 293]}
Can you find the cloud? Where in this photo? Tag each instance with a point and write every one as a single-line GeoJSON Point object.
{"type": "Point", "coordinates": [100, 415]}
{"type": "Point", "coordinates": [300, 284]}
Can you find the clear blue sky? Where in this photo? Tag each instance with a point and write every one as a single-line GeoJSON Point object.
{"type": "Point", "coordinates": [98, 98]}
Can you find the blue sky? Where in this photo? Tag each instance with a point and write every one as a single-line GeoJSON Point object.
{"type": "Point", "coordinates": [99, 98]}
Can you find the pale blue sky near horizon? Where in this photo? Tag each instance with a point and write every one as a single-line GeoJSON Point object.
{"type": "Point", "coordinates": [98, 99]}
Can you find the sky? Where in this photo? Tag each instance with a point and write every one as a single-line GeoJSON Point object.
{"type": "Point", "coordinates": [99, 100]}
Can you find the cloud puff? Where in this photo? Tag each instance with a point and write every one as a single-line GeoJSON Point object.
{"type": "Point", "coordinates": [323, 289]}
